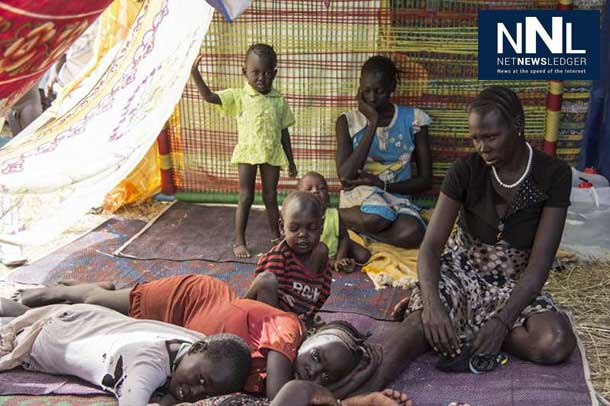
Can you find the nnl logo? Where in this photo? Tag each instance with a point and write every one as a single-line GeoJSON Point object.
{"type": "Point", "coordinates": [533, 30]}
{"type": "Point", "coordinates": [538, 44]}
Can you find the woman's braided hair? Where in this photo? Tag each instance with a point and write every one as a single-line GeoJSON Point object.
{"type": "Point", "coordinates": [504, 101]}
{"type": "Point", "coordinates": [352, 337]}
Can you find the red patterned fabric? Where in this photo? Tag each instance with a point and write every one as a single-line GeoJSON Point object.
{"type": "Point", "coordinates": [33, 35]}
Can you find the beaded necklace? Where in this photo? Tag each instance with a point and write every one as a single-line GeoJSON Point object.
{"type": "Point", "coordinates": [527, 169]}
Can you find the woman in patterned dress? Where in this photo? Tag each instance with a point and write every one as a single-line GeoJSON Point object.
{"type": "Point", "coordinates": [482, 284]}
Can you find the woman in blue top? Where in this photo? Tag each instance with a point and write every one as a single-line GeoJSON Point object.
{"type": "Point", "coordinates": [375, 145]}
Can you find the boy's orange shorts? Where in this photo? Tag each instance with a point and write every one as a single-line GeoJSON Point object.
{"type": "Point", "coordinates": [179, 299]}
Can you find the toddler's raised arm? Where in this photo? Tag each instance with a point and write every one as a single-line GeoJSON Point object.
{"type": "Point", "coordinates": [203, 88]}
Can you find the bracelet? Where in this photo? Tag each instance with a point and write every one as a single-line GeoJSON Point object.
{"type": "Point", "coordinates": [505, 324]}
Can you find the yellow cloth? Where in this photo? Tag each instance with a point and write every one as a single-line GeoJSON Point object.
{"type": "Point", "coordinates": [145, 180]}
{"type": "Point", "coordinates": [330, 231]}
{"type": "Point", "coordinates": [389, 265]}
{"type": "Point", "coordinates": [260, 121]}
{"type": "Point", "coordinates": [115, 23]}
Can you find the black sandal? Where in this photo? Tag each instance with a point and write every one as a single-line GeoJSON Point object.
{"type": "Point", "coordinates": [480, 363]}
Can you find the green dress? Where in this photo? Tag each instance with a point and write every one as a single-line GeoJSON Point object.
{"type": "Point", "coordinates": [260, 121]}
{"type": "Point", "coordinates": [330, 231]}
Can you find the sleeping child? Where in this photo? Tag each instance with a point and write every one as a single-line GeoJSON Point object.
{"type": "Point", "coordinates": [130, 358]}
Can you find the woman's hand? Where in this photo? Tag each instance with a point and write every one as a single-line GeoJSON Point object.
{"type": "Point", "coordinates": [490, 337]}
{"type": "Point", "coordinates": [439, 330]}
{"type": "Point", "coordinates": [288, 299]}
{"type": "Point", "coordinates": [363, 179]}
{"type": "Point", "coordinates": [369, 112]}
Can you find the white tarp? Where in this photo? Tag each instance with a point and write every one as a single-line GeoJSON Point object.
{"type": "Point", "coordinates": [57, 169]}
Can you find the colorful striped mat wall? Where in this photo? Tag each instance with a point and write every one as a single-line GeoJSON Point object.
{"type": "Point", "coordinates": [320, 54]}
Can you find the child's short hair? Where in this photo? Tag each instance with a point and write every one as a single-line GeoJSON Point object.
{"type": "Point", "coordinates": [263, 51]}
{"type": "Point", "coordinates": [305, 198]}
{"type": "Point", "coordinates": [310, 173]}
{"type": "Point", "coordinates": [228, 348]}
{"type": "Point", "coordinates": [383, 64]}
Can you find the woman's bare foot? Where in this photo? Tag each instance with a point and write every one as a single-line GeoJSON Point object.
{"type": "Point", "coordinates": [73, 282]}
{"type": "Point", "coordinates": [241, 251]}
{"type": "Point", "coordinates": [388, 397]}
{"type": "Point", "coordinates": [9, 308]}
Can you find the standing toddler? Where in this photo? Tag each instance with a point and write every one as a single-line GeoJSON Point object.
{"type": "Point", "coordinates": [263, 118]}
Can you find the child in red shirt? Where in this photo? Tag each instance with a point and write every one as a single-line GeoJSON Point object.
{"type": "Point", "coordinates": [295, 275]}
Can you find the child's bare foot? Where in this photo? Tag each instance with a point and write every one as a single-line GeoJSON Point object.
{"type": "Point", "coordinates": [17, 295]}
{"type": "Point", "coordinates": [400, 397]}
{"type": "Point", "coordinates": [73, 282]}
{"type": "Point", "coordinates": [386, 398]}
{"type": "Point", "coordinates": [32, 297]}
{"type": "Point", "coordinates": [56, 294]}
{"type": "Point", "coordinates": [241, 251]}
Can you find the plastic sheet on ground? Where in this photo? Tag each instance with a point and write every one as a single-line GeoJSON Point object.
{"type": "Point", "coordinates": [586, 230]}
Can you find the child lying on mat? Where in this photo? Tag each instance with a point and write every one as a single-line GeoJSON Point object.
{"type": "Point", "coordinates": [199, 303]}
{"type": "Point", "coordinates": [336, 356]}
{"type": "Point", "coordinates": [295, 275]}
{"type": "Point", "coordinates": [130, 358]}
{"type": "Point", "coordinates": [343, 252]}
